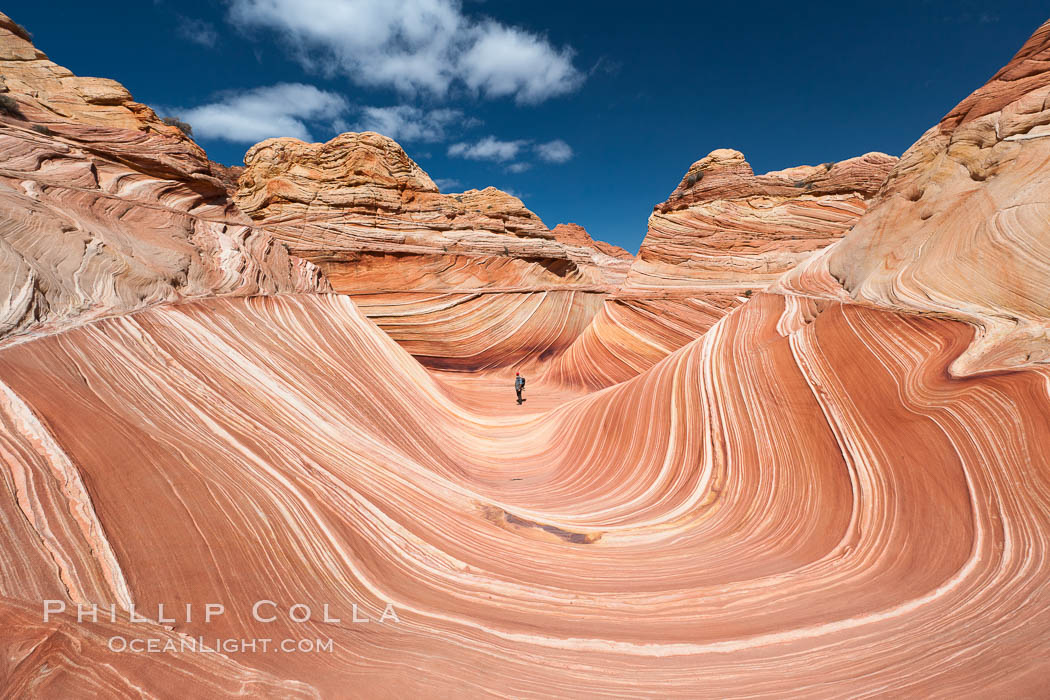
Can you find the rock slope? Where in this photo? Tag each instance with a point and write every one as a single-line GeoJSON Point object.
{"type": "Point", "coordinates": [466, 281]}
{"type": "Point", "coordinates": [807, 500]}
{"type": "Point", "coordinates": [723, 234]}
{"type": "Point", "coordinates": [961, 228]}
{"type": "Point", "coordinates": [780, 506]}
{"type": "Point", "coordinates": [104, 209]}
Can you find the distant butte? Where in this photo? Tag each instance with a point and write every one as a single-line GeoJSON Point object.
{"type": "Point", "coordinates": [358, 199]}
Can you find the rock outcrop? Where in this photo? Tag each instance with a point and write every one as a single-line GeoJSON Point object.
{"type": "Point", "coordinates": [805, 500]}
{"type": "Point", "coordinates": [723, 235]}
{"type": "Point", "coordinates": [576, 235]}
{"type": "Point", "coordinates": [357, 203]}
{"type": "Point", "coordinates": [104, 209]}
{"type": "Point", "coordinates": [97, 113]}
{"type": "Point", "coordinates": [961, 228]}
{"type": "Point", "coordinates": [468, 280]}
{"type": "Point", "coordinates": [726, 229]}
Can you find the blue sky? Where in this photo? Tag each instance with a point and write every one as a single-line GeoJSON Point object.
{"type": "Point", "coordinates": [589, 111]}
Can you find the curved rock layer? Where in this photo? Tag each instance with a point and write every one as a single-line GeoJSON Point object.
{"type": "Point", "coordinates": [960, 229]}
{"type": "Point", "coordinates": [103, 209]}
{"type": "Point", "coordinates": [482, 331]}
{"type": "Point", "coordinates": [825, 495]}
{"type": "Point", "coordinates": [669, 536]}
{"type": "Point", "coordinates": [630, 334]}
{"type": "Point", "coordinates": [723, 234]}
{"type": "Point", "coordinates": [375, 223]}
{"type": "Point", "coordinates": [576, 235]}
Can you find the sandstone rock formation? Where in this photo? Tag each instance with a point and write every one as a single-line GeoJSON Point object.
{"type": "Point", "coordinates": [467, 281]}
{"type": "Point", "coordinates": [576, 235]}
{"type": "Point", "coordinates": [476, 280]}
{"type": "Point", "coordinates": [726, 229]}
{"type": "Point", "coordinates": [775, 506]}
{"type": "Point", "coordinates": [805, 500]}
{"type": "Point", "coordinates": [104, 209]}
{"type": "Point", "coordinates": [98, 113]}
{"type": "Point", "coordinates": [722, 235]}
{"type": "Point", "coordinates": [960, 230]}
{"type": "Point", "coordinates": [358, 203]}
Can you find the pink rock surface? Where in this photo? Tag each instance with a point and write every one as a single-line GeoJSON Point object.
{"type": "Point", "coordinates": [806, 498]}
{"type": "Point", "coordinates": [776, 506]}
{"type": "Point", "coordinates": [467, 281]}
{"type": "Point", "coordinates": [960, 229]}
{"type": "Point", "coordinates": [104, 209]}
{"type": "Point", "coordinates": [723, 235]}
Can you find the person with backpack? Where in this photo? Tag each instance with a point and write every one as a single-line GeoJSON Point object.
{"type": "Point", "coordinates": [519, 386]}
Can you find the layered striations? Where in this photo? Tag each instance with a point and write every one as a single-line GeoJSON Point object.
{"type": "Point", "coordinates": [722, 235]}
{"type": "Point", "coordinates": [781, 507]}
{"type": "Point", "coordinates": [368, 214]}
{"type": "Point", "coordinates": [817, 497]}
{"type": "Point", "coordinates": [726, 229]}
{"type": "Point", "coordinates": [99, 114]}
{"type": "Point", "coordinates": [104, 209]}
{"type": "Point", "coordinates": [466, 280]}
{"type": "Point", "coordinates": [576, 235]}
{"type": "Point", "coordinates": [961, 229]}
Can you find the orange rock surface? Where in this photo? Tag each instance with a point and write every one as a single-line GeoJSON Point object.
{"type": "Point", "coordinates": [367, 213]}
{"type": "Point", "coordinates": [825, 494]}
{"type": "Point", "coordinates": [104, 209]}
{"type": "Point", "coordinates": [960, 230]}
{"type": "Point", "coordinates": [576, 235]}
{"type": "Point", "coordinates": [723, 235]}
{"type": "Point", "coordinates": [774, 507]}
{"type": "Point", "coordinates": [467, 281]}
{"type": "Point", "coordinates": [725, 228]}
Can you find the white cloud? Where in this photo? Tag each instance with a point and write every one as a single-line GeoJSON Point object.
{"type": "Point", "coordinates": [197, 30]}
{"type": "Point", "coordinates": [415, 46]}
{"type": "Point", "coordinates": [488, 148]}
{"type": "Point", "coordinates": [250, 116]}
{"type": "Point", "coordinates": [505, 61]}
{"type": "Point", "coordinates": [518, 167]}
{"type": "Point", "coordinates": [446, 183]}
{"type": "Point", "coordinates": [556, 151]}
{"type": "Point", "coordinates": [407, 123]}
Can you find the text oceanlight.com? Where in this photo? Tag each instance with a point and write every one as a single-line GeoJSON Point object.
{"type": "Point", "coordinates": [262, 611]}
{"type": "Point", "coordinates": [168, 645]}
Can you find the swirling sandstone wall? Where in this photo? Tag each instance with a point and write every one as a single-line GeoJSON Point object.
{"type": "Point", "coordinates": [468, 280]}
{"type": "Point", "coordinates": [837, 490]}
{"type": "Point", "coordinates": [960, 229]}
{"type": "Point", "coordinates": [105, 209]}
{"type": "Point", "coordinates": [778, 508]}
{"type": "Point", "coordinates": [723, 234]}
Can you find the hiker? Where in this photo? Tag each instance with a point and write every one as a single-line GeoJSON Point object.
{"type": "Point", "coordinates": [519, 386]}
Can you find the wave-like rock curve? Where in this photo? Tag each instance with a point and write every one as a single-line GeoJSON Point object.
{"type": "Point", "coordinates": [670, 535]}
